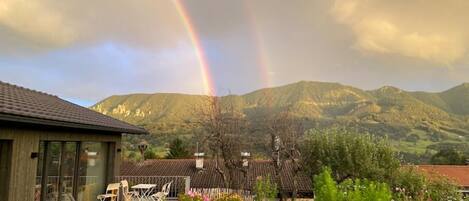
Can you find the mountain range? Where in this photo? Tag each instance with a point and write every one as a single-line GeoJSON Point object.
{"type": "Point", "coordinates": [416, 122]}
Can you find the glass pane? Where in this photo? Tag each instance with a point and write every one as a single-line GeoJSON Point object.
{"type": "Point", "coordinates": [53, 160]}
{"type": "Point", "coordinates": [40, 163]}
{"type": "Point", "coordinates": [68, 169]}
{"type": "Point", "coordinates": [92, 171]}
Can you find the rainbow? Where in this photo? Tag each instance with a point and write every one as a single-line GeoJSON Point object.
{"type": "Point", "coordinates": [259, 41]}
{"type": "Point", "coordinates": [208, 84]}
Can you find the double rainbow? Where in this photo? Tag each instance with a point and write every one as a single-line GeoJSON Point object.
{"type": "Point", "coordinates": [203, 62]}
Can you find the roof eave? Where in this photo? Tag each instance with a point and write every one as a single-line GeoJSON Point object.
{"type": "Point", "coordinates": [56, 123]}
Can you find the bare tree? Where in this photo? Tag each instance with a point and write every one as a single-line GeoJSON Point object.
{"type": "Point", "coordinates": [224, 127]}
{"type": "Point", "coordinates": [284, 130]}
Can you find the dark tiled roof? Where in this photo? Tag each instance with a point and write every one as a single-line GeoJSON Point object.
{"type": "Point", "coordinates": [19, 104]}
{"type": "Point", "coordinates": [209, 177]}
{"type": "Point", "coordinates": [456, 173]}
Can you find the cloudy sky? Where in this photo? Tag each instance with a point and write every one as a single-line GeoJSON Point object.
{"type": "Point", "coordinates": [87, 50]}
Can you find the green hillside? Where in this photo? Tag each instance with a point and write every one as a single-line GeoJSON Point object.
{"type": "Point", "coordinates": [416, 122]}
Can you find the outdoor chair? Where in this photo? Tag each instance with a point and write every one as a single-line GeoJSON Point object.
{"type": "Point", "coordinates": [112, 193]}
{"type": "Point", "coordinates": [160, 196]}
{"type": "Point", "coordinates": [128, 195]}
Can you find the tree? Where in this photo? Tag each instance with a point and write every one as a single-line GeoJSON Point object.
{"type": "Point", "coordinates": [349, 155]}
{"type": "Point", "coordinates": [448, 156]}
{"type": "Point", "coordinates": [224, 131]}
{"type": "Point", "coordinates": [177, 149]}
{"type": "Point", "coordinates": [285, 130]}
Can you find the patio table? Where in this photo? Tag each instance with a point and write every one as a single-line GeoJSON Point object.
{"type": "Point", "coordinates": [144, 190]}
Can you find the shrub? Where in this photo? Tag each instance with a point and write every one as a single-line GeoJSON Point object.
{"type": "Point", "coordinates": [230, 197]}
{"type": "Point", "coordinates": [265, 189]}
{"type": "Point", "coordinates": [364, 190]}
{"type": "Point", "coordinates": [410, 184]}
{"type": "Point", "coordinates": [326, 189]}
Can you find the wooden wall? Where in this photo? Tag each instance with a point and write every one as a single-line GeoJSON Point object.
{"type": "Point", "coordinates": [26, 141]}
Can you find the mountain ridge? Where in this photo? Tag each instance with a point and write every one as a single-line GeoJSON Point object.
{"type": "Point", "coordinates": [430, 117]}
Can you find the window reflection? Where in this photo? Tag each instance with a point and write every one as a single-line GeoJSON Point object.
{"type": "Point", "coordinates": [92, 171]}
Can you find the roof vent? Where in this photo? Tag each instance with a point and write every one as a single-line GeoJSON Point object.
{"type": "Point", "coordinates": [199, 160]}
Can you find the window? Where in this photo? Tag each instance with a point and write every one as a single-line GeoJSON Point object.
{"type": "Point", "coordinates": [69, 170]}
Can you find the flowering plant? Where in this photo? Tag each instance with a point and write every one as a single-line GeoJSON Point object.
{"type": "Point", "coordinates": [193, 196]}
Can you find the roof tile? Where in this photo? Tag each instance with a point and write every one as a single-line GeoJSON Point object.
{"type": "Point", "coordinates": [42, 108]}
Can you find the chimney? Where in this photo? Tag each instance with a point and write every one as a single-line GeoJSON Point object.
{"type": "Point", "coordinates": [245, 158]}
{"type": "Point", "coordinates": [199, 160]}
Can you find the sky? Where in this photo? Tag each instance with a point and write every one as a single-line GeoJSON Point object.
{"type": "Point", "coordinates": [85, 51]}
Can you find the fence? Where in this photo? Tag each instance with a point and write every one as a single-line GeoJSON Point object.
{"type": "Point", "coordinates": [181, 184]}
{"type": "Point", "coordinates": [214, 193]}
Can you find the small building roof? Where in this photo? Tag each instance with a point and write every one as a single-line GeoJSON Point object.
{"type": "Point", "coordinates": [18, 104]}
{"type": "Point", "coordinates": [209, 176]}
{"type": "Point", "coordinates": [456, 173]}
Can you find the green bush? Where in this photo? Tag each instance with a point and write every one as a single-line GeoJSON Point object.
{"type": "Point", "coordinates": [326, 189]}
{"type": "Point", "coordinates": [349, 155]}
{"type": "Point", "coordinates": [265, 189]}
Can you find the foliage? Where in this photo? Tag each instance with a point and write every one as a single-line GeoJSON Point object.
{"type": "Point", "coordinates": [413, 185]}
{"type": "Point", "coordinates": [193, 196]}
{"type": "Point", "coordinates": [177, 149]}
{"type": "Point", "coordinates": [265, 189]}
{"type": "Point", "coordinates": [229, 197]}
{"type": "Point", "coordinates": [150, 154]}
{"type": "Point", "coordinates": [408, 182]}
{"type": "Point", "coordinates": [349, 155]}
{"type": "Point", "coordinates": [326, 189]}
{"type": "Point", "coordinates": [448, 157]}
{"type": "Point", "coordinates": [365, 158]}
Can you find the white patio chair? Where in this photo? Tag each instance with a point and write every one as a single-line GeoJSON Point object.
{"type": "Point", "coordinates": [161, 196]}
{"type": "Point", "coordinates": [128, 195]}
{"type": "Point", "coordinates": [112, 193]}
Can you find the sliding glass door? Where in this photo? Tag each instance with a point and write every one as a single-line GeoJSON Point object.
{"type": "Point", "coordinates": [68, 170]}
{"type": "Point", "coordinates": [92, 170]}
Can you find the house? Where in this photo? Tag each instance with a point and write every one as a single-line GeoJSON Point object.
{"type": "Point", "coordinates": [456, 173]}
{"type": "Point", "coordinates": [51, 149]}
{"type": "Point", "coordinates": [203, 174]}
